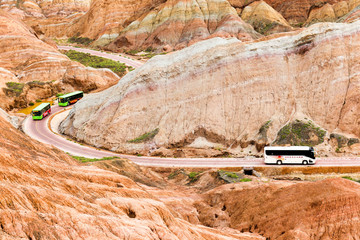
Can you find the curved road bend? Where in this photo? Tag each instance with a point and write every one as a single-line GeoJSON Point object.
{"type": "Point", "coordinates": [39, 130]}
{"type": "Point", "coordinates": [115, 57]}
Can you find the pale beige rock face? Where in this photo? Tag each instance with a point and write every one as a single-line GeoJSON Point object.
{"type": "Point", "coordinates": [340, 9]}
{"type": "Point", "coordinates": [179, 23]}
{"type": "Point", "coordinates": [25, 58]}
{"type": "Point", "coordinates": [46, 8]}
{"type": "Point", "coordinates": [45, 194]}
{"type": "Point", "coordinates": [230, 89]}
{"type": "Point", "coordinates": [324, 14]}
{"type": "Point", "coordinates": [264, 18]}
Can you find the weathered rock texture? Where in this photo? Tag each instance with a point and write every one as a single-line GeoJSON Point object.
{"type": "Point", "coordinates": [45, 194]}
{"type": "Point", "coordinates": [264, 18]}
{"type": "Point", "coordinates": [226, 91]}
{"type": "Point", "coordinates": [325, 209]}
{"type": "Point", "coordinates": [39, 68]}
{"type": "Point", "coordinates": [45, 8]}
{"type": "Point", "coordinates": [178, 23]}
{"type": "Point", "coordinates": [352, 16]}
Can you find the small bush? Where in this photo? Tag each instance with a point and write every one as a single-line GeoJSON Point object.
{"type": "Point", "coordinates": [59, 94]}
{"type": "Point", "coordinates": [97, 62]}
{"type": "Point", "coordinates": [31, 104]}
{"type": "Point", "coordinates": [38, 100]}
{"type": "Point", "coordinates": [84, 159]}
{"type": "Point", "coordinates": [193, 176]}
{"type": "Point", "coordinates": [81, 40]}
{"type": "Point", "coordinates": [245, 180]}
{"type": "Point", "coordinates": [145, 137]}
{"type": "Point", "coordinates": [232, 175]}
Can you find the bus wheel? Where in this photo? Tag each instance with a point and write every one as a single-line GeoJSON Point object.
{"type": "Point", "coordinates": [305, 162]}
{"type": "Point", "coordinates": [278, 162]}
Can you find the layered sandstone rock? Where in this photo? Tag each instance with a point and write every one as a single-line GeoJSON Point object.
{"type": "Point", "coordinates": [297, 11]}
{"type": "Point", "coordinates": [264, 18]}
{"type": "Point", "coordinates": [45, 194]}
{"type": "Point", "coordinates": [178, 23]}
{"type": "Point", "coordinates": [46, 8]}
{"type": "Point", "coordinates": [325, 209]}
{"type": "Point", "coordinates": [321, 14]}
{"type": "Point", "coordinates": [33, 64]}
{"type": "Point", "coordinates": [226, 92]}
{"type": "Point", "coordinates": [104, 20]}
{"type": "Point", "coordinates": [352, 16]}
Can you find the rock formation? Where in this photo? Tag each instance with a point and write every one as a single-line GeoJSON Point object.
{"type": "Point", "coordinates": [31, 69]}
{"type": "Point", "coordinates": [42, 9]}
{"type": "Point", "coordinates": [178, 23]}
{"type": "Point", "coordinates": [352, 16]}
{"type": "Point", "coordinates": [324, 209]}
{"type": "Point", "coordinates": [45, 194]}
{"type": "Point", "coordinates": [264, 18]}
{"type": "Point", "coordinates": [226, 91]}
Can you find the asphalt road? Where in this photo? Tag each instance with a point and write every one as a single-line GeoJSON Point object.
{"type": "Point", "coordinates": [40, 131]}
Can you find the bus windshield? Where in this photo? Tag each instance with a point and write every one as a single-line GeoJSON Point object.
{"type": "Point", "coordinates": [36, 113]}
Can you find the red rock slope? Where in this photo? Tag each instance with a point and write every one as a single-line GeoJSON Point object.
{"type": "Point", "coordinates": [225, 92]}
{"type": "Point", "coordinates": [178, 23]}
{"type": "Point", "coordinates": [39, 67]}
{"type": "Point", "coordinates": [45, 194]}
{"type": "Point", "coordinates": [327, 209]}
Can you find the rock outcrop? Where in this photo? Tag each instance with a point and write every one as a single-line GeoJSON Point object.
{"type": "Point", "coordinates": [42, 8]}
{"type": "Point", "coordinates": [264, 18]}
{"type": "Point", "coordinates": [179, 23]}
{"type": "Point", "coordinates": [45, 194]}
{"type": "Point", "coordinates": [31, 69]}
{"type": "Point", "coordinates": [326, 209]}
{"type": "Point", "coordinates": [226, 92]}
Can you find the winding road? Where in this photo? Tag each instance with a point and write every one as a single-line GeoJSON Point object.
{"type": "Point", "coordinates": [41, 131]}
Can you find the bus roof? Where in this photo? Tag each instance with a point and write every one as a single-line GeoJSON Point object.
{"type": "Point", "coordinates": [40, 107]}
{"type": "Point", "coordinates": [288, 148]}
{"type": "Point", "coordinates": [70, 94]}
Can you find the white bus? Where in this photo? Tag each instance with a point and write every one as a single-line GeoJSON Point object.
{"type": "Point", "coordinates": [289, 155]}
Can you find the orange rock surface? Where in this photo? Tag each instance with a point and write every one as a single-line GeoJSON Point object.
{"type": "Point", "coordinates": [179, 23]}
{"type": "Point", "coordinates": [45, 194]}
{"type": "Point", "coordinates": [326, 209]}
{"type": "Point", "coordinates": [24, 59]}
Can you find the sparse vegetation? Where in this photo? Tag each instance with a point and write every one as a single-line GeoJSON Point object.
{"type": "Point", "coordinates": [300, 133]}
{"type": "Point", "coordinates": [245, 180]}
{"type": "Point", "coordinates": [176, 173]}
{"type": "Point", "coordinates": [263, 129]}
{"type": "Point", "coordinates": [31, 104]}
{"type": "Point", "coordinates": [38, 100]}
{"type": "Point", "coordinates": [232, 175]}
{"type": "Point", "coordinates": [80, 40]}
{"type": "Point", "coordinates": [97, 62]}
{"type": "Point", "coordinates": [193, 176]}
{"type": "Point", "coordinates": [350, 178]}
{"type": "Point", "coordinates": [84, 159]}
{"type": "Point", "coordinates": [145, 137]}
{"type": "Point", "coordinates": [14, 87]}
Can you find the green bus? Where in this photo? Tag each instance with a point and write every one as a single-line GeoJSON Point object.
{"type": "Point", "coordinates": [41, 111]}
{"type": "Point", "coordinates": [70, 98]}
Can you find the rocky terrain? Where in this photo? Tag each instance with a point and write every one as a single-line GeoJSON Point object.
{"type": "Point", "coordinates": [31, 69]}
{"type": "Point", "coordinates": [177, 24]}
{"type": "Point", "coordinates": [45, 194]}
{"type": "Point", "coordinates": [224, 94]}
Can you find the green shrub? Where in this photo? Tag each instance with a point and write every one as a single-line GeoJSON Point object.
{"type": "Point", "coordinates": [350, 178]}
{"type": "Point", "coordinates": [38, 100]}
{"type": "Point", "coordinates": [232, 175]}
{"type": "Point", "coordinates": [59, 94]}
{"type": "Point", "coordinates": [193, 176]}
{"type": "Point", "coordinates": [84, 159]}
{"type": "Point", "coordinates": [145, 137]}
{"type": "Point", "coordinates": [31, 104]}
{"type": "Point", "coordinates": [245, 180]}
{"type": "Point", "coordinates": [15, 87]}
{"type": "Point", "coordinates": [81, 40]}
{"type": "Point", "coordinates": [97, 62]}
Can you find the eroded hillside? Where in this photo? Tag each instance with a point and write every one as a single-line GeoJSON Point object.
{"type": "Point", "coordinates": [31, 69]}
{"type": "Point", "coordinates": [227, 94]}
{"type": "Point", "coordinates": [45, 194]}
